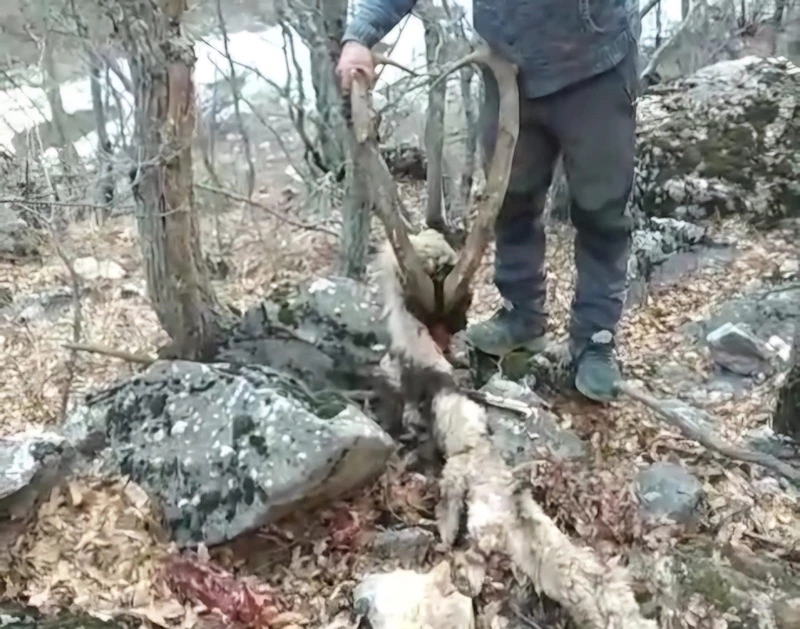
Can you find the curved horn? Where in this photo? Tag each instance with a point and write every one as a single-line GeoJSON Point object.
{"type": "Point", "coordinates": [456, 285]}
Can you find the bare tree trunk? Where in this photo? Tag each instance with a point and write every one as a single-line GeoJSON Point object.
{"type": "Point", "coordinates": [685, 6]}
{"type": "Point", "coordinates": [97, 68]}
{"type": "Point", "coordinates": [162, 62]}
{"type": "Point", "coordinates": [471, 141]}
{"type": "Point", "coordinates": [68, 156]}
{"type": "Point", "coordinates": [356, 224]}
{"type": "Point", "coordinates": [105, 169]}
{"type": "Point", "coordinates": [659, 25]}
{"type": "Point", "coordinates": [780, 10]}
{"type": "Point", "coordinates": [434, 127]}
{"type": "Point", "coordinates": [237, 98]}
{"type": "Point", "coordinates": [321, 24]}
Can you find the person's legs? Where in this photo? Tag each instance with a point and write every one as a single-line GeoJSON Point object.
{"type": "Point", "coordinates": [519, 232]}
{"type": "Point", "coordinates": [595, 123]}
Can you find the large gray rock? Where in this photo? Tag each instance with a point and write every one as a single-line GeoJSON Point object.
{"type": "Point", "coordinates": [521, 439]}
{"type": "Point", "coordinates": [668, 492]}
{"type": "Point", "coordinates": [722, 140]}
{"type": "Point", "coordinates": [330, 334]}
{"type": "Point", "coordinates": [30, 466]}
{"type": "Point", "coordinates": [227, 449]}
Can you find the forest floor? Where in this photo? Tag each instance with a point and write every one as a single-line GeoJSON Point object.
{"type": "Point", "coordinates": [95, 544]}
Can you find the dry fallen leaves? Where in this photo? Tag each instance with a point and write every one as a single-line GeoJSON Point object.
{"type": "Point", "coordinates": [94, 545]}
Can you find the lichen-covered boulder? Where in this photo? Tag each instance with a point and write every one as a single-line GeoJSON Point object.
{"type": "Point", "coordinates": [227, 449]}
{"type": "Point", "coordinates": [724, 140]}
{"type": "Point", "coordinates": [329, 333]}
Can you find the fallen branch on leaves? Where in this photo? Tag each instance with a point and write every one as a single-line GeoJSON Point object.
{"type": "Point", "coordinates": [142, 359]}
{"type": "Point", "coordinates": [279, 215]}
{"type": "Point", "coordinates": [679, 416]}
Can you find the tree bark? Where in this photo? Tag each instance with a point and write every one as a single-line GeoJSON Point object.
{"type": "Point", "coordinates": [434, 128]}
{"type": "Point", "coordinates": [685, 6]}
{"type": "Point", "coordinates": [162, 63]}
{"type": "Point", "coordinates": [68, 156]}
{"type": "Point", "coordinates": [105, 169]}
{"type": "Point", "coordinates": [780, 9]}
{"type": "Point", "coordinates": [356, 224]}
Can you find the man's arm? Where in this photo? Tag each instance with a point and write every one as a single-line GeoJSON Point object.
{"type": "Point", "coordinates": [374, 19]}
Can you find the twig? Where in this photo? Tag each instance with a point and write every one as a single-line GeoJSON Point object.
{"type": "Point", "coordinates": [524, 619]}
{"type": "Point", "coordinates": [515, 406]}
{"type": "Point", "coordinates": [141, 359]}
{"type": "Point", "coordinates": [694, 431]}
{"type": "Point", "coordinates": [269, 210]}
{"type": "Point", "coordinates": [64, 204]}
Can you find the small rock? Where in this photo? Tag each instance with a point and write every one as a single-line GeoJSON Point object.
{"type": "Point", "coordinates": [521, 439]}
{"type": "Point", "coordinates": [92, 269]}
{"type": "Point", "coordinates": [133, 289]}
{"type": "Point", "coordinates": [790, 268]}
{"type": "Point", "coordinates": [780, 347]}
{"type": "Point", "coordinates": [667, 491]}
{"type": "Point", "coordinates": [737, 350]}
{"type": "Point", "coordinates": [403, 599]}
{"type": "Point", "coordinates": [30, 466]}
{"type": "Point", "coordinates": [409, 545]}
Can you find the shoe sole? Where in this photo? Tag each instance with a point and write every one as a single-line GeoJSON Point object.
{"type": "Point", "coordinates": [536, 346]}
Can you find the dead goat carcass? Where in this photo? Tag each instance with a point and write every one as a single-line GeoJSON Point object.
{"type": "Point", "coordinates": [502, 516]}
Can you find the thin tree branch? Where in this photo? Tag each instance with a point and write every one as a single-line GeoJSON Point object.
{"type": "Point", "coordinates": [238, 197]}
{"type": "Point", "coordinates": [648, 7]}
{"type": "Point", "coordinates": [141, 359]}
{"type": "Point", "coordinates": [694, 431]}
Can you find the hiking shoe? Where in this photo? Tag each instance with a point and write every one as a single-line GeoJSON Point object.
{"type": "Point", "coordinates": [597, 371]}
{"type": "Point", "coordinates": [508, 330]}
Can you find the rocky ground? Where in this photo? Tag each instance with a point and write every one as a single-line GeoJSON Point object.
{"type": "Point", "coordinates": [272, 491]}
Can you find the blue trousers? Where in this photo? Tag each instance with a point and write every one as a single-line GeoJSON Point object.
{"type": "Point", "coordinates": [592, 123]}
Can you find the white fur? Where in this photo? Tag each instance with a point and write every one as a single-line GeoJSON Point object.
{"type": "Point", "coordinates": [476, 477]}
{"type": "Point", "coordinates": [409, 338]}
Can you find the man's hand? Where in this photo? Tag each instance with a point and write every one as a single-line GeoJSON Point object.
{"type": "Point", "coordinates": [355, 58]}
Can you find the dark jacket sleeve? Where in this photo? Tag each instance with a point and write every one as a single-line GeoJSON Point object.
{"type": "Point", "coordinates": [373, 19]}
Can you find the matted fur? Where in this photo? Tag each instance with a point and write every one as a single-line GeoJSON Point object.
{"type": "Point", "coordinates": [501, 517]}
